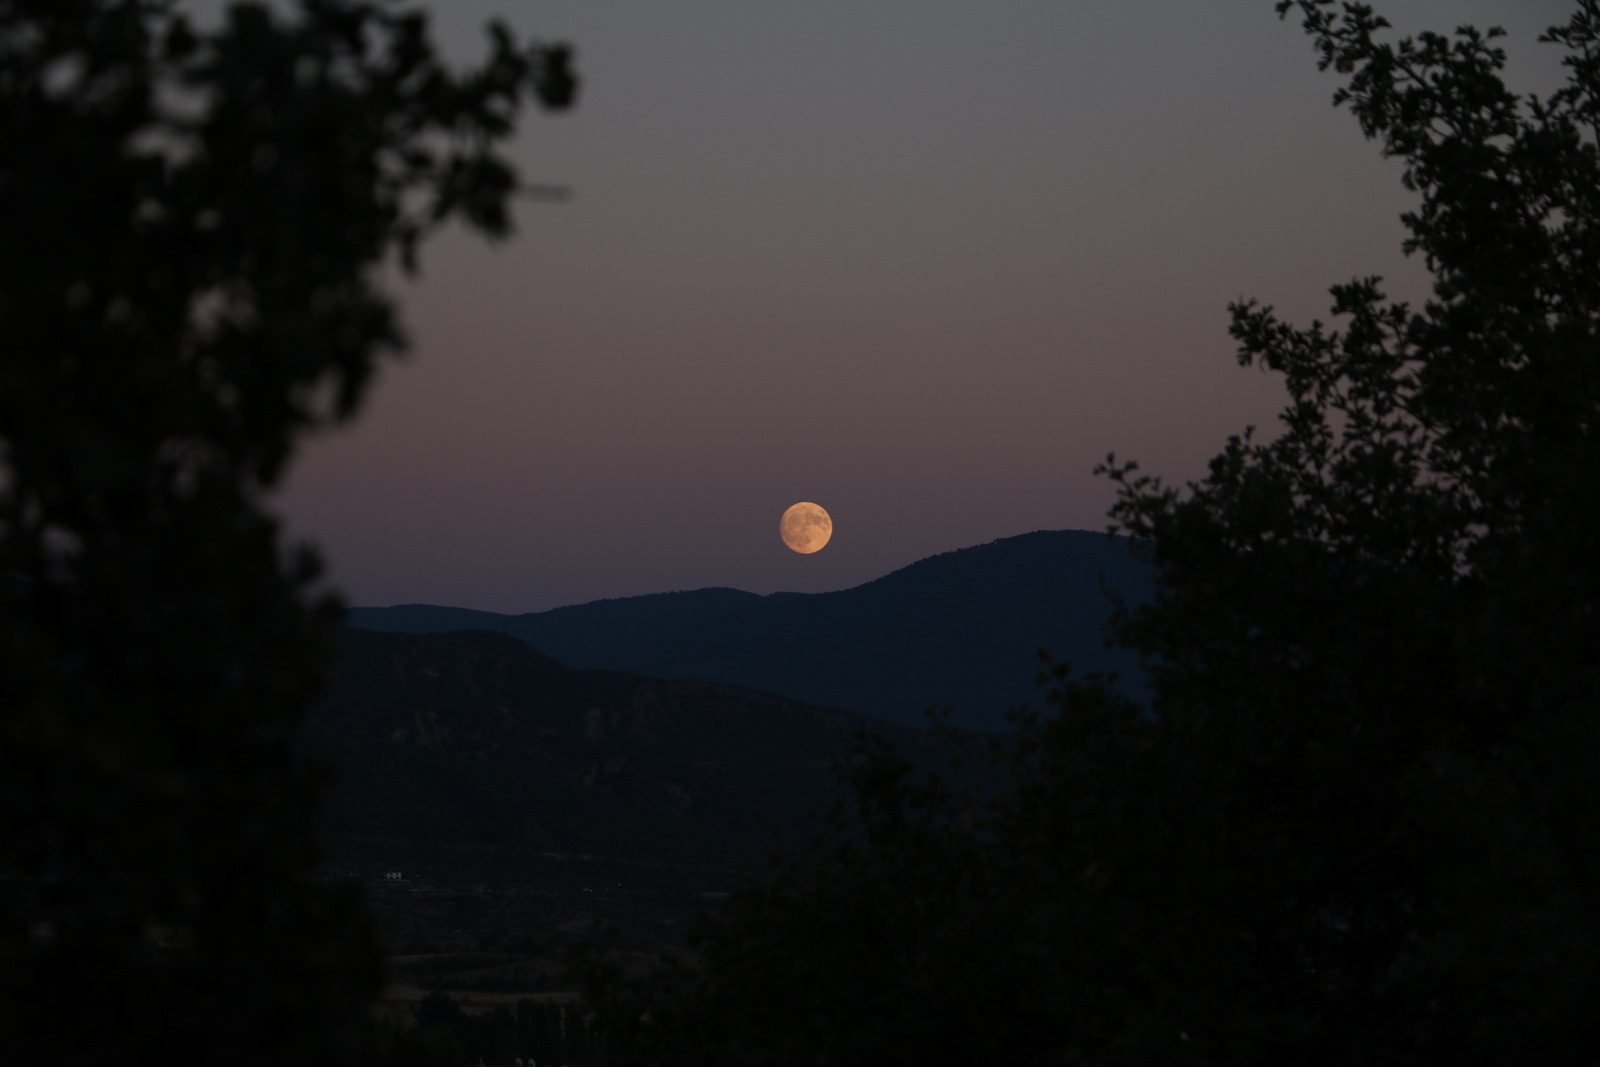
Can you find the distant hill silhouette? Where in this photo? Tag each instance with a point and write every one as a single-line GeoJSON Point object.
{"type": "Point", "coordinates": [469, 760]}
{"type": "Point", "coordinates": [961, 629]}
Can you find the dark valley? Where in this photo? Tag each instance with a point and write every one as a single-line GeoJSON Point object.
{"type": "Point", "coordinates": [516, 797]}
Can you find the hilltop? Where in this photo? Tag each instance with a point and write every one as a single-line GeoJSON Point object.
{"type": "Point", "coordinates": [961, 628]}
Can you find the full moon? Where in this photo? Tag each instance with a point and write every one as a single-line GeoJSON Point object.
{"type": "Point", "coordinates": [805, 527]}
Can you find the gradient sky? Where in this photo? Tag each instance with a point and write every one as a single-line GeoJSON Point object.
{"type": "Point", "coordinates": [924, 263]}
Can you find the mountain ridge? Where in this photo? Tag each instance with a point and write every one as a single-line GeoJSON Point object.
{"type": "Point", "coordinates": [959, 628]}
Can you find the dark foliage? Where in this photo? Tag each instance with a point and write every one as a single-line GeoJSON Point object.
{"type": "Point", "coordinates": [1357, 822]}
{"type": "Point", "coordinates": [189, 227]}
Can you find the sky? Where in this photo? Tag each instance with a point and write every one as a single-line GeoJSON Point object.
{"type": "Point", "coordinates": [922, 262]}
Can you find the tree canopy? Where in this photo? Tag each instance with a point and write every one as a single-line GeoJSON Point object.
{"type": "Point", "coordinates": [1356, 822]}
{"type": "Point", "coordinates": [192, 222]}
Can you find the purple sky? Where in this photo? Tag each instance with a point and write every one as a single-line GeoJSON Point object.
{"type": "Point", "coordinates": [922, 262]}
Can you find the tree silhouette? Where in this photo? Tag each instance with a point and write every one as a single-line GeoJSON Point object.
{"type": "Point", "coordinates": [191, 223]}
{"type": "Point", "coordinates": [1357, 821]}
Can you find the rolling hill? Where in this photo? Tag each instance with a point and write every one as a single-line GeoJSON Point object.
{"type": "Point", "coordinates": [959, 629]}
